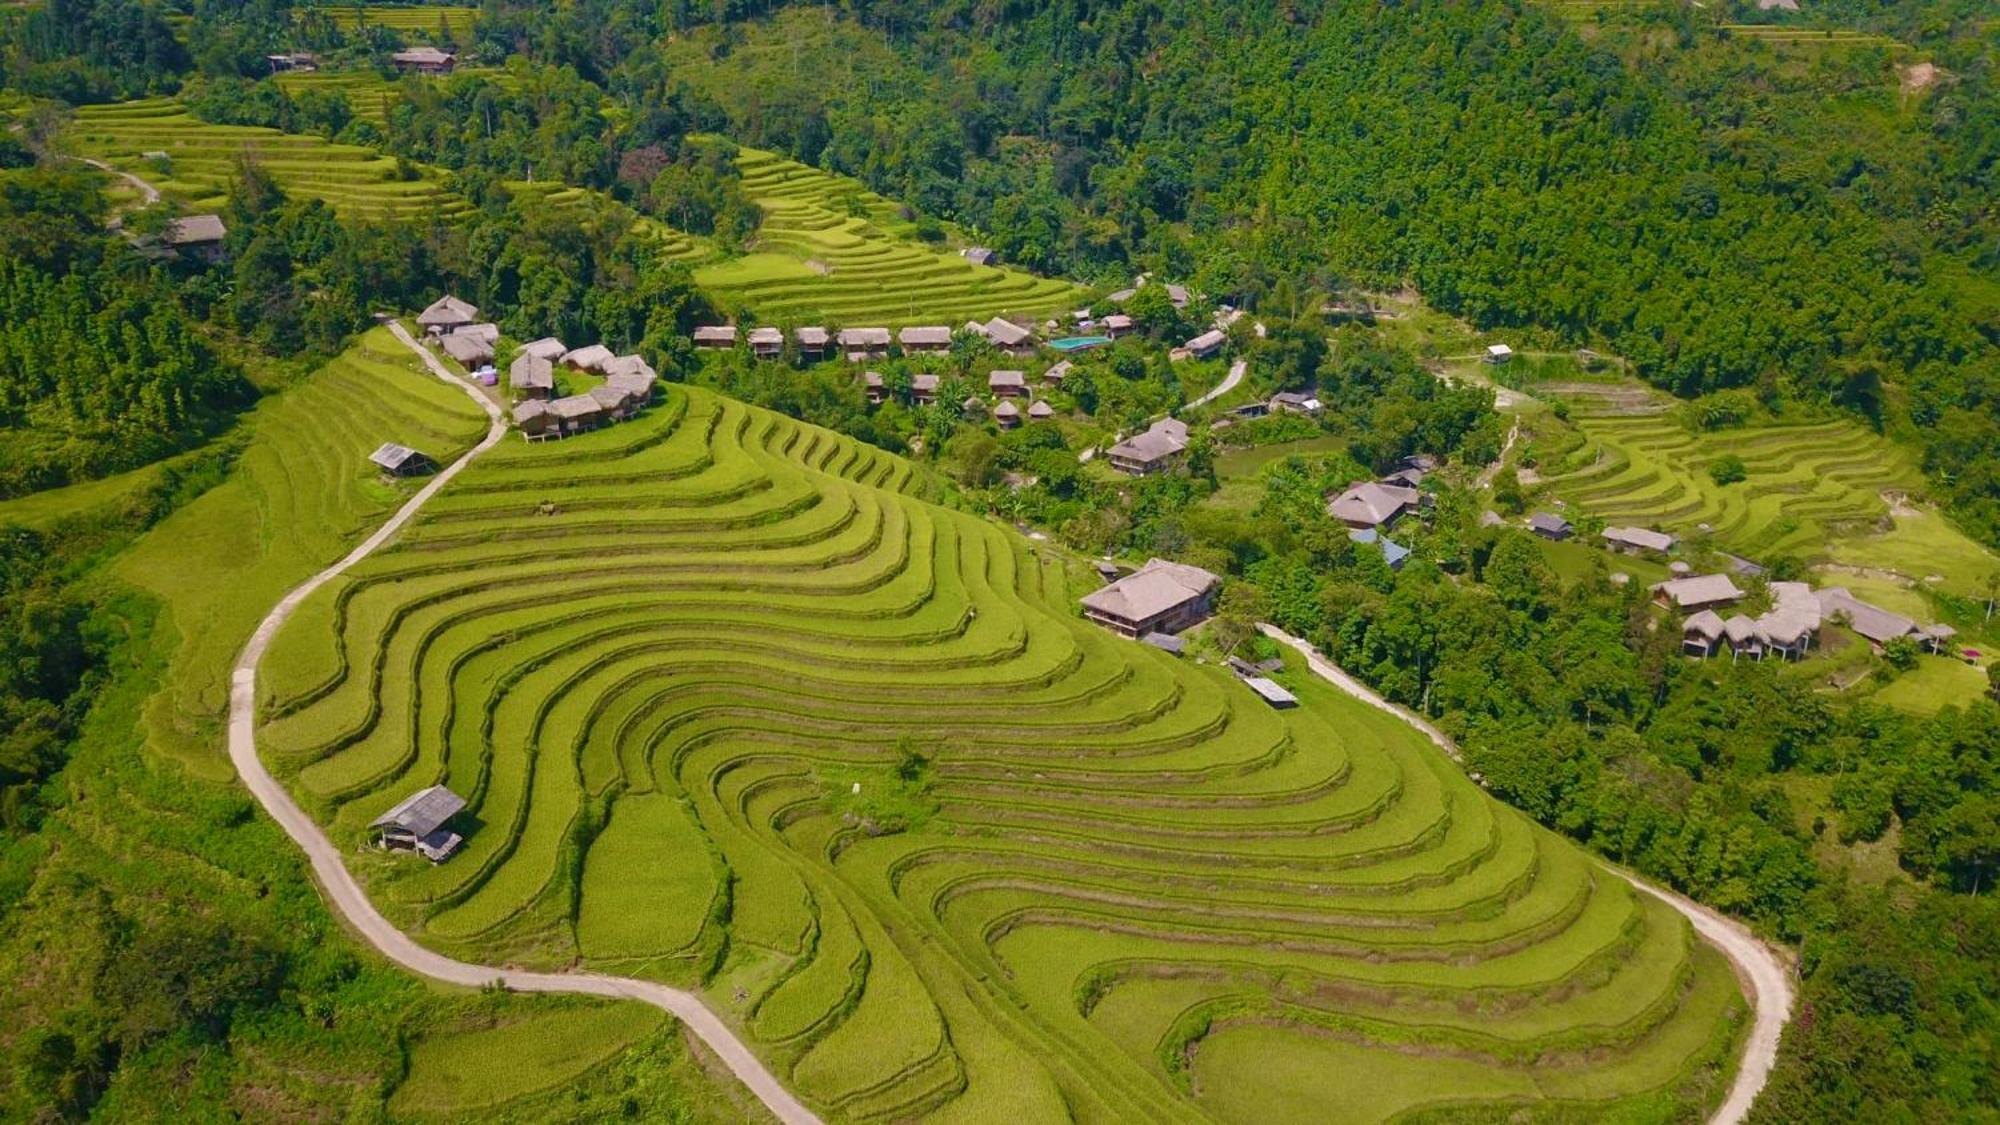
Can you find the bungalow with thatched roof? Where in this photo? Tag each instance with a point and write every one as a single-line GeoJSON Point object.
{"type": "Point", "coordinates": [577, 413]}
{"type": "Point", "coordinates": [1372, 504]}
{"type": "Point", "coordinates": [531, 376]}
{"type": "Point", "coordinates": [1635, 540]}
{"type": "Point", "coordinates": [814, 343]}
{"type": "Point", "coordinates": [1705, 591]}
{"type": "Point", "coordinates": [469, 348]}
{"type": "Point", "coordinates": [1206, 344]}
{"type": "Point", "coordinates": [873, 387]}
{"type": "Point", "coordinates": [924, 387]}
{"type": "Point", "coordinates": [767, 343]}
{"type": "Point", "coordinates": [863, 344]}
{"type": "Point", "coordinates": [446, 315]}
{"type": "Point", "coordinates": [1008, 384]}
{"type": "Point", "coordinates": [1117, 324]}
{"type": "Point", "coordinates": [1550, 526]}
{"type": "Point", "coordinates": [1009, 337]}
{"type": "Point", "coordinates": [1153, 451]}
{"type": "Point", "coordinates": [1041, 411]}
{"type": "Point", "coordinates": [1007, 414]}
{"type": "Point", "coordinates": [590, 358]}
{"type": "Point", "coordinates": [535, 421]}
{"type": "Point", "coordinates": [713, 336]}
{"type": "Point", "coordinates": [424, 60]}
{"type": "Point", "coordinates": [548, 348]}
{"type": "Point", "coordinates": [926, 338]}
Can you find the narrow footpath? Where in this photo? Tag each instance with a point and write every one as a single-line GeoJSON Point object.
{"type": "Point", "coordinates": [1758, 967]}
{"type": "Point", "coordinates": [346, 895]}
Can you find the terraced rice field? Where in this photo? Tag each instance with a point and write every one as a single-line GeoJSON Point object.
{"type": "Point", "coordinates": [367, 93]}
{"type": "Point", "coordinates": [355, 181]}
{"type": "Point", "coordinates": [418, 19]}
{"type": "Point", "coordinates": [1806, 484]}
{"type": "Point", "coordinates": [820, 260]}
{"type": "Point", "coordinates": [736, 706]}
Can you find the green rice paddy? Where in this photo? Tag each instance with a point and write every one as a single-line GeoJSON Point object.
{"type": "Point", "coordinates": [202, 159]}
{"type": "Point", "coordinates": [737, 707]}
{"type": "Point", "coordinates": [416, 20]}
{"type": "Point", "coordinates": [832, 251]}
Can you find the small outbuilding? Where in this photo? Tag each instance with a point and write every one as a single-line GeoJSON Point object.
{"type": "Point", "coordinates": [417, 824]}
{"type": "Point", "coordinates": [1637, 540]}
{"type": "Point", "coordinates": [1271, 692]}
{"type": "Point", "coordinates": [1040, 411]}
{"type": "Point", "coordinates": [1550, 526]}
{"type": "Point", "coordinates": [400, 460]}
{"type": "Point", "coordinates": [979, 255]}
{"type": "Point", "coordinates": [1007, 415]}
{"type": "Point", "coordinates": [1498, 353]}
{"type": "Point", "coordinates": [548, 348]}
{"type": "Point", "coordinates": [1206, 344]}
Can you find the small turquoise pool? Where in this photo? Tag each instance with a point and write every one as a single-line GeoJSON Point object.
{"type": "Point", "coordinates": [1079, 343]}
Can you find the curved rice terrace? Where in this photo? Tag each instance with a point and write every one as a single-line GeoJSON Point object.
{"type": "Point", "coordinates": [203, 157]}
{"type": "Point", "coordinates": [415, 20]}
{"type": "Point", "coordinates": [693, 672]}
{"type": "Point", "coordinates": [1804, 484]}
{"type": "Point", "coordinates": [831, 250]}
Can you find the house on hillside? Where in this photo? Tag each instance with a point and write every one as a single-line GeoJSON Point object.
{"type": "Point", "coordinates": [591, 358]}
{"type": "Point", "coordinates": [1875, 624]}
{"type": "Point", "coordinates": [1296, 402]}
{"type": "Point", "coordinates": [767, 342]}
{"type": "Point", "coordinates": [202, 237]}
{"type": "Point", "coordinates": [1705, 591]}
{"type": "Point", "coordinates": [714, 336]}
{"type": "Point", "coordinates": [924, 387]}
{"type": "Point", "coordinates": [924, 339]}
{"type": "Point", "coordinates": [1008, 384]}
{"type": "Point", "coordinates": [417, 824]}
{"type": "Point", "coordinates": [1040, 411]}
{"type": "Point", "coordinates": [548, 348]}
{"type": "Point", "coordinates": [1153, 451]}
{"type": "Point", "coordinates": [575, 414]}
{"type": "Point", "coordinates": [296, 61]}
{"type": "Point", "coordinates": [1638, 540]}
{"type": "Point", "coordinates": [1178, 296]}
{"type": "Point", "coordinates": [1160, 597]}
{"type": "Point", "coordinates": [1372, 504]}
{"type": "Point", "coordinates": [446, 315]}
{"type": "Point", "coordinates": [1498, 353]}
{"type": "Point", "coordinates": [1007, 415]}
{"type": "Point", "coordinates": [400, 460]}
{"type": "Point", "coordinates": [1550, 526]}
{"type": "Point", "coordinates": [1117, 324]}
{"type": "Point", "coordinates": [469, 348]}
{"type": "Point", "coordinates": [1700, 633]}
{"type": "Point", "coordinates": [873, 388]}
{"type": "Point", "coordinates": [424, 60]}
{"type": "Point", "coordinates": [814, 343]}
{"type": "Point", "coordinates": [1055, 374]}
{"type": "Point", "coordinates": [1393, 553]}
{"type": "Point", "coordinates": [1206, 344]}
{"type": "Point", "coordinates": [535, 421]}
{"type": "Point", "coordinates": [864, 344]}
{"type": "Point", "coordinates": [531, 376]}
{"type": "Point", "coordinates": [1009, 337]}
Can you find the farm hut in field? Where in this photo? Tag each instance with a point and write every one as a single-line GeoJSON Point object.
{"type": "Point", "coordinates": [1151, 452]}
{"type": "Point", "coordinates": [424, 60]}
{"type": "Point", "coordinates": [197, 236]}
{"type": "Point", "coordinates": [1040, 411]}
{"type": "Point", "coordinates": [873, 386]}
{"type": "Point", "coordinates": [924, 387]}
{"type": "Point", "coordinates": [591, 358]}
{"type": "Point", "coordinates": [400, 460]}
{"type": "Point", "coordinates": [547, 348]}
{"type": "Point", "coordinates": [979, 255]}
{"type": "Point", "coordinates": [767, 343]}
{"type": "Point", "coordinates": [925, 339]}
{"type": "Point", "coordinates": [1160, 597]}
{"type": "Point", "coordinates": [1372, 504]}
{"type": "Point", "coordinates": [1008, 384]}
{"type": "Point", "coordinates": [1117, 324]}
{"type": "Point", "coordinates": [534, 419]}
{"type": "Point", "coordinates": [863, 344]}
{"type": "Point", "coordinates": [1009, 337]}
{"type": "Point", "coordinates": [1638, 540]}
{"type": "Point", "coordinates": [1007, 415]}
{"type": "Point", "coordinates": [713, 336]}
{"type": "Point", "coordinates": [577, 413]}
{"type": "Point", "coordinates": [1700, 633]}
{"type": "Point", "coordinates": [446, 315]}
{"type": "Point", "coordinates": [468, 348]}
{"type": "Point", "coordinates": [1702, 591]}
{"type": "Point", "coordinates": [1498, 353]}
{"type": "Point", "coordinates": [814, 343]}
{"type": "Point", "coordinates": [417, 824]}
{"type": "Point", "coordinates": [1550, 526]}
{"type": "Point", "coordinates": [1206, 344]}
{"type": "Point", "coordinates": [531, 376]}
{"type": "Point", "coordinates": [1165, 642]}
{"type": "Point", "coordinates": [1056, 373]}
{"type": "Point", "coordinates": [1296, 402]}
{"type": "Point", "coordinates": [1271, 692]}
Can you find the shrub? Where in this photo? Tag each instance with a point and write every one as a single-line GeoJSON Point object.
{"type": "Point", "coordinates": [1727, 469]}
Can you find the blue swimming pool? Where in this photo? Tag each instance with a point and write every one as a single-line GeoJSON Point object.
{"type": "Point", "coordinates": [1079, 343]}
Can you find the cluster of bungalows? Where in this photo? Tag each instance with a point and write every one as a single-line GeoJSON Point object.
{"type": "Point", "coordinates": [453, 327]}
{"type": "Point", "coordinates": [1154, 451]}
{"type": "Point", "coordinates": [1160, 598]}
{"type": "Point", "coordinates": [1789, 629]}
{"type": "Point", "coordinates": [626, 390]}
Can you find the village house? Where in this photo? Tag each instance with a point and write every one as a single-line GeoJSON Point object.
{"type": "Point", "coordinates": [633, 364]}
{"type": "Point", "coordinates": [973, 408]}
{"type": "Point", "coordinates": [767, 343]}
{"type": "Point", "coordinates": [469, 348]}
{"type": "Point", "coordinates": [637, 387]}
{"type": "Point", "coordinates": [535, 421]}
{"type": "Point", "coordinates": [1153, 451]}
{"type": "Point", "coordinates": [297, 61]}
{"type": "Point", "coordinates": [1007, 414]}
{"type": "Point", "coordinates": [715, 336]}
{"type": "Point", "coordinates": [576, 413]}
{"type": "Point", "coordinates": [591, 358]}
{"type": "Point", "coordinates": [1116, 325]}
{"type": "Point", "coordinates": [1874, 624]}
{"type": "Point", "coordinates": [1295, 402]}
{"type": "Point", "coordinates": [1636, 540]}
{"type": "Point", "coordinates": [1700, 633]}
{"type": "Point", "coordinates": [1008, 384]}
{"type": "Point", "coordinates": [1410, 478]}
{"type": "Point", "coordinates": [615, 403]}
{"type": "Point", "coordinates": [446, 315]}
{"type": "Point", "coordinates": [1040, 411]}
{"type": "Point", "coordinates": [1393, 553]}
{"type": "Point", "coordinates": [1178, 296]}
{"type": "Point", "coordinates": [1550, 526]}
{"type": "Point", "coordinates": [424, 60]}
{"type": "Point", "coordinates": [814, 343]}
{"type": "Point", "coordinates": [1055, 374]}
{"type": "Point", "coordinates": [202, 237]}
{"type": "Point", "coordinates": [1206, 344]}
{"type": "Point", "coordinates": [400, 460]}
{"type": "Point", "coordinates": [531, 376]}
{"type": "Point", "coordinates": [1160, 597]}
{"type": "Point", "coordinates": [924, 339]}
{"type": "Point", "coordinates": [863, 344]}
{"type": "Point", "coordinates": [548, 348]}
{"type": "Point", "coordinates": [873, 387]}
{"type": "Point", "coordinates": [924, 387]}
{"type": "Point", "coordinates": [1707, 591]}
{"type": "Point", "coordinates": [417, 824]}
{"type": "Point", "coordinates": [1499, 353]}
{"type": "Point", "coordinates": [1372, 504]}
{"type": "Point", "coordinates": [1009, 337]}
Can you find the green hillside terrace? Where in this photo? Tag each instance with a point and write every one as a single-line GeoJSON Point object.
{"type": "Point", "coordinates": [737, 706]}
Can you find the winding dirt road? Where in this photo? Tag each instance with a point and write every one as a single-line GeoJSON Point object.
{"type": "Point", "coordinates": [1759, 968]}
{"type": "Point", "coordinates": [346, 894]}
